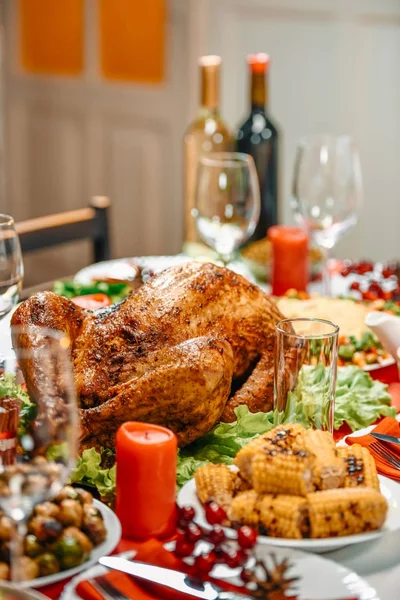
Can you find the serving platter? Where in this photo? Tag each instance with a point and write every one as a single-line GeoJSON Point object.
{"type": "Point", "coordinates": [390, 489]}
{"type": "Point", "coordinates": [113, 527]}
{"type": "Point", "coordinates": [337, 581]}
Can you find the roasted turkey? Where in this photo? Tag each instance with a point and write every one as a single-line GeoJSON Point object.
{"type": "Point", "coordinates": [182, 351]}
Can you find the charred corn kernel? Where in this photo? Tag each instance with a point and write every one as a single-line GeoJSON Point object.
{"type": "Point", "coordinates": [240, 484]}
{"type": "Point", "coordinates": [284, 516]}
{"type": "Point", "coordinates": [328, 471]}
{"type": "Point", "coordinates": [360, 467]}
{"type": "Point", "coordinates": [280, 471]}
{"type": "Point", "coordinates": [215, 482]}
{"type": "Point", "coordinates": [244, 509]}
{"type": "Point", "coordinates": [345, 511]}
{"type": "Point", "coordinates": [282, 436]}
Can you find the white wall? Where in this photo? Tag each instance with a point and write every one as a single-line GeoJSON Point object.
{"type": "Point", "coordinates": [335, 68]}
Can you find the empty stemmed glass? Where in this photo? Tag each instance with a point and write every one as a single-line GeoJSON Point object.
{"type": "Point", "coordinates": [327, 191]}
{"type": "Point", "coordinates": [38, 426]}
{"type": "Point", "coordinates": [11, 265]}
{"type": "Point", "coordinates": [227, 203]}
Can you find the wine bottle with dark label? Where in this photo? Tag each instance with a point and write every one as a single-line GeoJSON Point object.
{"type": "Point", "coordinates": [207, 133]}
{"type": "Point", "coordinates": [259, 136]}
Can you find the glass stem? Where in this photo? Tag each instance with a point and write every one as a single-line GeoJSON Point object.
{"type": "Point", "coordinates": [326, 276]}
{"type": "Point", "coordinates": [17, 550]}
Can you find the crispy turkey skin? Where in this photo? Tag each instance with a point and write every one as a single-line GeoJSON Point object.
{"type": "Point", "coordinates": [168, 353]}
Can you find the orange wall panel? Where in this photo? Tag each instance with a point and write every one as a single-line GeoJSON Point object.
{"type": "Point", "coordinates": [132, 39]}
{"type": "Point", "coordinates": [52, 36]}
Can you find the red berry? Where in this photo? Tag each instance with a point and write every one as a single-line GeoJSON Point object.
{"type": "Point", "coordinates": [387, 295]}
{"type": "Point", "coordinates": [186, 513]}
{"type": "Point", "coordinates": [388, 272]}
{"type": "Point", "coordinates": [346, 271]}
{"type": "Point", "coordinates": [370, 296]}
{"type": "Point", "coordinates": [215, 514]}
{"type": "Point", "coordinates": [355, 286]}
{"type": "Point", "coordinates": [246, 575]}
{"type": "Point", "coordinates": [193, 533]}
{"type": "Point", "coordinates": [233, 558]}
{"type": "Point", "coordinates": [374, 286]}
{"type": "Point", "coordinates": [205, 562]}
{"type": "Point", "coordinates": [216, 535]}
{"type": "Point", "coordinates": [247, 537]}
{"type": "Point", "coordinates": [364, 267]}
{"type": "Point", "coordinates": [183, 547]}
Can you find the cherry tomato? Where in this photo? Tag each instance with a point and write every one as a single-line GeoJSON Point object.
{"type": "Point", "coordinates": [183, 547]}
{"type": "Point", "coordinates": [92, 301]}
{"type": "Point", "coordinates": [355, 285]}
{"type": "Point", "coordinates": [205, 562]}
{"type": "Point", "coordinates": [215, 514]}
{"type": "Point", "coordinates": [247, 537]}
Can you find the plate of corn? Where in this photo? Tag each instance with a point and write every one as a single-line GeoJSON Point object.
{"type": "Point", "coordinates": [298, 490]}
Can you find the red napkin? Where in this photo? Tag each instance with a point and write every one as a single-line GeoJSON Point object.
{"type": "Point", "coordinates": [391, 427]}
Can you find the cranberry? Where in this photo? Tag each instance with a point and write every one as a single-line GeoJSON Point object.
{"type": "Point", "coordinates": [387, 295]}
{"type": "Point", "coordinates": [364, 267]}
{"type": "Point", "coordinates": [186, 513]}
{"type": "Point", "coordinates": [183, 547]}
{"type": "Point", "coordinates": [247, 537]}
{"type": "Point", "coordinates": [388, 272]}
{"type": "Point", "coordinates": [193, 533]}
{"type": "Point", "coordinates": [346, 271]}
{"type": "Point", "coordinates": [375, 287]}
{"type": "Point", "coordinates": [216, 535]}
{"type": "Point", "coordinates": [355, 286]}
{"type": "Point", "coordinates": [215, 514]}
{"type": "Point", "coordinates": [205, 562]}
{"type": "Point", "coordinates": [233, 558]}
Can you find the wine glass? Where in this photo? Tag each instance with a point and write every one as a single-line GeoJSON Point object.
{"type": "Point", "coordinates": [11, 265]}
{"type": "Point", "coordinates": [327, 191]}
{"type": "Point", "coordinates": [227, 201]}
{"type": "Point", "coordinates": [38, 427]}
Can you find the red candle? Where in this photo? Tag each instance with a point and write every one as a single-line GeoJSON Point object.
{"type": "Point", "coordinates": [146, 480]}
{"type": "Point", "coordinates": [290, 268]}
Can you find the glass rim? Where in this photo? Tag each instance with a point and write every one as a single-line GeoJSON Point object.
{"type": "Point", "coordinates": [225, 159]}
{"type": "Point", "coordinates": [57, 336]}
{"type": "Point", "coordinates": [321, 137]}
{"type": "Point", "coordinates": [311, 336]}
{"type": "Point", "coordinates": [6, 220]}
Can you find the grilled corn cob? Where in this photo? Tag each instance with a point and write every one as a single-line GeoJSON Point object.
{"type": "Point", "coordinates": [215, 482]}
{"type": "Point", "coordinates": [284, 516]}
{"type": "Point", "coordinates": [345, 511]}
{"type": "Point", "coordinates": [280, 471]}
{"type": "Point", "coordinates": [359, 466]}
{"type": "Point", "coordinates": [244, 509]}
{"type": "Point", "coordinates": [282, 436]}
{"type": "Point", "coordinates": [328, 471]}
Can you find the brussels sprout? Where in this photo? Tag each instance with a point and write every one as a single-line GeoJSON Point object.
{"type": "Point", "coordinates": [69, 552]}
{"type": "Point", "coordinates": [47, 563]}
{"type": "Point", "coordinates": [32, 546]}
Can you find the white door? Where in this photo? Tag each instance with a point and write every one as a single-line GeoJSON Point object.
{"type": "Point", "coordinates": [69, 138]}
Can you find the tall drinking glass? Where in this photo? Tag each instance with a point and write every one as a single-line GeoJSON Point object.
{"type": "Point", "coordinates": [11, 265]}
{"type": "Point", "coordinates": [305, 372]}
{"type": "Point", "coordinates": [227, 201]}
{"type": "Point", "coordinates": [327, 191]}
{"type": "Point", "coordinates": [38, 427]}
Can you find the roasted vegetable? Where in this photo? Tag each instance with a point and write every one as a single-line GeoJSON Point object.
{"type": "Point", "coordinates": [32, 546]}
{"type": "Point", "coordinates": [28, 567]}
{"type": "Point", "coordinates": [93, 524]}
{"type": "Point", "coordinates": [69, 552]}
{"type": "Point", "coordinates": [47, 509]}
{"type": "Point", "coordinates": [6, 528]}
{"type": "Point", "coordinates": [68, 492]}
{"type": "Point", "coordinates": [45, 529]}
{"type": "Point", "coordinates": [71, 512]}
{"type": "Point", "coordinates": [4, 571]}
{"type": "Point", "coordinates": [48, 564]}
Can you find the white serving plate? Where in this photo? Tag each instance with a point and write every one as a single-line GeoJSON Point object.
{"type": "Point", "coordinates": [113, 527]}
{"type": "Point", "coordinates": [18, 594]}
{"type": "Point", "coordinates": [337, 581]}
{"type": "Point", "coordinates": [389, 488]}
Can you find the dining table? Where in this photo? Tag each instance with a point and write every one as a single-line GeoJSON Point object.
{"type": "Point", "coordinates": [377, 561]}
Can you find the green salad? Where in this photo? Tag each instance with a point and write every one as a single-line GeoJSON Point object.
{"type": "Point", "coordinates": [116, 291]}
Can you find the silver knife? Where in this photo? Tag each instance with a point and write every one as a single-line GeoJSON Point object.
{"type": "Point", "coordinates": [175, 580]}
{"type": "Point", "coordinates": [386, 438]}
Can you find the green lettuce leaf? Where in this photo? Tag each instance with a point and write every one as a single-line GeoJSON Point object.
{"type": "Point", "coordinates": [89, 471]}
{"type": "Point", "coordinates": [223, 442]}
{"type": "Point", "coordinates": [360, 400]}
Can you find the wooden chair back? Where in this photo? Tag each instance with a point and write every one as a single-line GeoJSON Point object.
{"type": "Point", "coordinates": [89, 223]}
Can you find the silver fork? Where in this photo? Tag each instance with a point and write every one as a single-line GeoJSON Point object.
{"type": "Point", "coordinates": [384, 453]}
{"type": "Point", "coordinates": [108, 589]}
